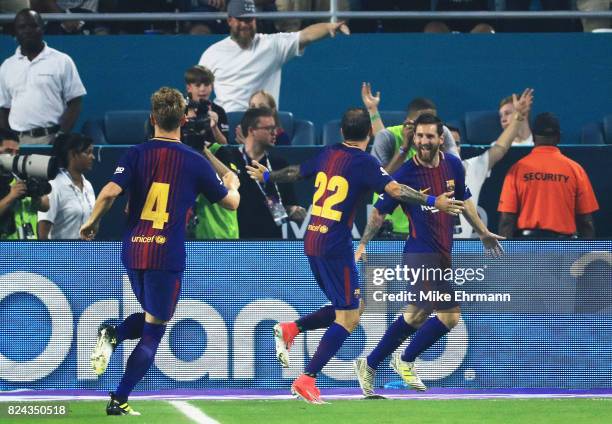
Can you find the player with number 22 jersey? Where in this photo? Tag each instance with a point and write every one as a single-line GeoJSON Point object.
{"type": "Point", "coordinates": [343, 174]}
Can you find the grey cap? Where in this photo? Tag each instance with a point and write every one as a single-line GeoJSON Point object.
{"type": "Point", "coordinates": [237, 8]}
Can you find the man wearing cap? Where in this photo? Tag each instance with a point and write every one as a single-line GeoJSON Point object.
{"type": "Point", "coordinates": [40, 87]}
{"type": "Point", "coordinates": [546, 194]}
{"type": "Point", "coordinates": [247, 61]}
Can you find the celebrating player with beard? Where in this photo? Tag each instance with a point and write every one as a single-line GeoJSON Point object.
{"type": "Point", "coordinates": [428, 245]}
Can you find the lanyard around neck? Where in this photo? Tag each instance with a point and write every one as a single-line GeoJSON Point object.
{"type": "Point", "coordinates": [269, 166]}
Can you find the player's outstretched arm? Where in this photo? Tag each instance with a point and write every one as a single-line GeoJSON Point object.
{"type": "Point", "coordinates": [103, 203]}
{"type": "Point", "coordinates": [260, 173]}
{"type": "Point", "coordinates": [374, 223]}
{"type": "Point", "coordinates": [444, 202]}
{"type": "Point", "coordinates": [488, 239]}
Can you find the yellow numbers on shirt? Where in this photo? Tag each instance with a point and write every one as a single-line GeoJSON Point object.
{"type": "Point", "coordinates": [336, 184]}
{"type": "Point", "coordinates": [155, 206]}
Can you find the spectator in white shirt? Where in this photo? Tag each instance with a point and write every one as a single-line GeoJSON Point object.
{"type": "Point", "coordinates": [478, 168]}
{"type": "Point", "coordinates": [246, 61]}
{"type": "Point", "coordinates": [72, 197]}
{"type": "Point", "coordinates": [40, 87]}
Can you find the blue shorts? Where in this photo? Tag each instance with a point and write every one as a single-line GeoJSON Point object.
{"type": "Point", "coordinates": [433, 293]}
{"type": "Point", "coordinates": [339, 280]}
{"type": "Point", "coordinates": [157, 291]}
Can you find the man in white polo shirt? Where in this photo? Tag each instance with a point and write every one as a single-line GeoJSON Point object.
{"type": "Point", "coordinates": [40, 87]}
{"type": "Point", "coordinates": [246, 61]}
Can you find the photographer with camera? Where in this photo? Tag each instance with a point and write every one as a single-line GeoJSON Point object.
{"type": "Point", "coordinates": [72, 196]}
{"type": "Point", "coordinates": [20, 200]}
{"type": "Point", "coordinates": [206, 121]}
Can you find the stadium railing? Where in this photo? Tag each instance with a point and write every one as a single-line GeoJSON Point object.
{"type": "Point", "coordinates": [333, 15]}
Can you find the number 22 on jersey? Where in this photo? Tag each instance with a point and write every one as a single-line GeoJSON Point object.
{"type": "Point", "coordinates": [336, 184]}
{"type": "Point", "coordinates": [155, 206]}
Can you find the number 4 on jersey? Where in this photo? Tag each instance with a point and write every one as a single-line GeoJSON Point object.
{"type": "Point", "coordinates": [156, 204]}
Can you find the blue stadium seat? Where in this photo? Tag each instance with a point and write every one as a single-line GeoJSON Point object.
{"type": "Point", "coordinates": [303, 133]}
{"type": "Point", "coordinates": [482, 127]}
{"type": "Point", "coordinates": [92, 128]}
{"type": "Point", "coordinates": [460, 125]}
{"type": "Point", "coordinates": [607, 129]}
{"type": "Point", "coordinates": [233, 120]}
{"type": "Point", "coordinates": [119, 127]}
{"type": "Point", "coordinates": [592, 134]}
{"type": "Point", "coordinates": [300, 131]}
{"type": "Point", "coordinates": [331, 132]}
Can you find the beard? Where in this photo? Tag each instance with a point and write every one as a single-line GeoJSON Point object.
{"type": "Point", "coordinates": [427, 154]}
{"type": "Point", "coordinates": [243, 37]}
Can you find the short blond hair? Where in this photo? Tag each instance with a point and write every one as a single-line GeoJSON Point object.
{"type": "Point", "coordinates": [505, 101]}
{"type": "Point", "coordinates": [168, 108]}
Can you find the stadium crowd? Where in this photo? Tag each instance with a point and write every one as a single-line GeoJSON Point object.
{"type": "Point", "coordinates": [243, 72]}
{"type": "Point", "coordinates": [290, 25]}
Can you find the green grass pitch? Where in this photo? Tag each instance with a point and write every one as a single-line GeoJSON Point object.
{"type": "Point", "coordinates": [498, 411]}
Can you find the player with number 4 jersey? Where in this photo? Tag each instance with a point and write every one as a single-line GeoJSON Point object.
{"type": "Point", "coordinates": [163, 178]}
{"type": "Point", "coordinates": [343, 175]}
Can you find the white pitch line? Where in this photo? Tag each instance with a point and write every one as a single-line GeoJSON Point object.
{"type": "Point", "coordinates": [193, 413]}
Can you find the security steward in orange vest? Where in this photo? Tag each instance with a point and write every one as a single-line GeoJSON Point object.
{"type": "Point", "coordinates": [546, 194]}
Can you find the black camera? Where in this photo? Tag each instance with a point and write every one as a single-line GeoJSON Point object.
{"type": "Point", "coordinates": [37, 187]}
{"type": "Point", "coordinates": [196, 131]}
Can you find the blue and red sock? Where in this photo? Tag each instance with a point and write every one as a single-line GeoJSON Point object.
{"type": "Point", "coordinates": [328, 346]}
{"type": "Point", "coordinates": [424, 338]}
{"type": "Point", "coordinates": [131, 327]}
{"type": "Point", "coordinates": [395, 335]}
{"type": "Point", "coordinates": [140, 360]}
{"type": "Point", "coordinates": [321, 318]}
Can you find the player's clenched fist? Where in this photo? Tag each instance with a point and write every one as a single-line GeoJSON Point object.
{"type": "Point", "coordinates": [88, 231]}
